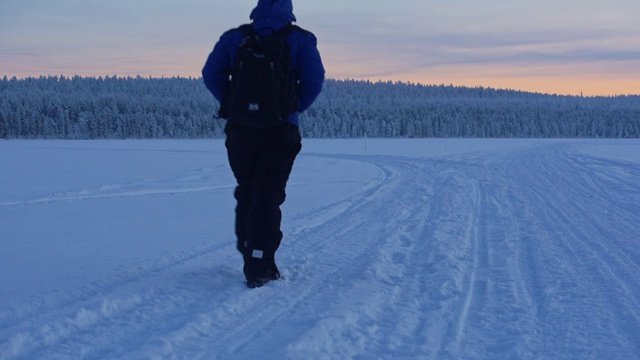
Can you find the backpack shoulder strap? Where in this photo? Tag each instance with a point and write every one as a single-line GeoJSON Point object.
{"type": "Point", "coordinates": [284, 32]}
{"type": "Point", "coordinates": [287, 30]}
{"type": "Point", "coordinates": [281, 34]}
{"type": "Point", "coordinates": [247, 29]}
{"type": "Point", "coordinates": [297, 28]}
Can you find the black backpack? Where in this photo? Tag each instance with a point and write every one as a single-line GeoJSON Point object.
{"type": "Point", "coordinates": [263, 90]}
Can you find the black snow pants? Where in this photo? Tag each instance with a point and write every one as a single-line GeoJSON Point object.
{"type": "Point", "coordinates": [261, 161]}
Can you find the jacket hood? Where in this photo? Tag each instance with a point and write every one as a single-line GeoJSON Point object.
{"type": "Point", "coordinates": [281, 10]}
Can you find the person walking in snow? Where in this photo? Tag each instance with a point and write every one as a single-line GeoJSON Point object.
{"type": "Point", "coordinates": [262, 135]}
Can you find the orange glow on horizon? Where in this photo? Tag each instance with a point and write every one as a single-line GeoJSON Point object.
{"type": "Point", "coordinates": [544, 85]}
{"type": "Point", "coordinates": [559, 80]}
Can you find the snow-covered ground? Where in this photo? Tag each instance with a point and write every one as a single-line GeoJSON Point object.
{"type": "Point", "coordinates": [393, 249]}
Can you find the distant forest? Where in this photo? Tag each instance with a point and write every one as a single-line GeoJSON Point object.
{"type": "Point", "coordinates": [136, 108]}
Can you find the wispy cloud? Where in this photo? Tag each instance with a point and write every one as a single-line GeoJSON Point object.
{"type": "Point", "coordinates": [389, 53]}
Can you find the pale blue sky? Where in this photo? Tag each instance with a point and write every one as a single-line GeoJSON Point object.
{"type": "Point", "coordinates": [555, 46]}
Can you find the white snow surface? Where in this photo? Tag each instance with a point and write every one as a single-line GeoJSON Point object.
{"type": "Point", "coordinates": [393, 249]}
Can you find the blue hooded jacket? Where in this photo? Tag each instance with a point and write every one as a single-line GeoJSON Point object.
{"type": "Point", "coordinates": [270, 16]}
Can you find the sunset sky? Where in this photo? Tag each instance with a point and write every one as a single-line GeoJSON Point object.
{"type": "Point", "coordinates": [548, 46]}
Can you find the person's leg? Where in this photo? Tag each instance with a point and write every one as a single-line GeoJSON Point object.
{"type": "Point", "coordinates": [242, 160]}
{"type": "Point", "coordinates": [274, 163]}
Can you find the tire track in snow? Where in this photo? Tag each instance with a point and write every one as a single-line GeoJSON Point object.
{"type": "Point", "coordinates": [503, 307]}
{"type": "Point", "coordinates": [496, 311]}
{"type": "Point", "coordinates": [358, 313]}
{"type": "Point", "coordinates": [580, 273]}
{"type": "Point", "coordinates": [338, 252]}
{"type": "Point", "coordinates": [87, 195]}
{"type": "Point", "coordinates": [473, 287]}
{"type": "Point", "coordinates": [599, 259]}
{"type": "Point", "coordinates": [195, 181]}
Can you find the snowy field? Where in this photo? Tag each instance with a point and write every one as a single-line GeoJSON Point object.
{"type": "Point", "coordinates": [393, 249]}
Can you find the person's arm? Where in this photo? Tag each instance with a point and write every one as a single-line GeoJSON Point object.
{"type": "Point", "coordinates": [311, 73]}
{"type": "Point", "coordinates": [217, 69]}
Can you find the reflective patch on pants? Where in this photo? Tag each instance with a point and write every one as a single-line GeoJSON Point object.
{"type": "Point", "coordinates": [257, 254]}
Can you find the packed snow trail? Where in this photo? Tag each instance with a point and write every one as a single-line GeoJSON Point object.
{"type": "Point", "coordinates": [521, 253]}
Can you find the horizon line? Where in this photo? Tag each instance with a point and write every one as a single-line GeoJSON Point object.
{"type": "Point", "coordinates": [378, 81]}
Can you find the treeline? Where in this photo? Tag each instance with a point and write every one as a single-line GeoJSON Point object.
{"type": "Point", "coordinates": [122, 108]}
